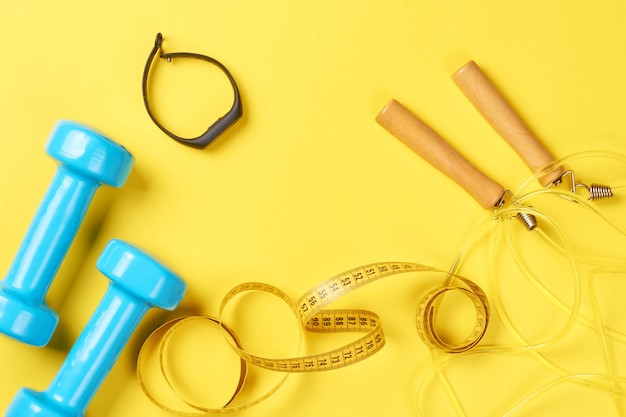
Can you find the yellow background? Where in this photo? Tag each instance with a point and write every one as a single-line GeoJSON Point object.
{"type": "Point", "coordinates": [306, 184]}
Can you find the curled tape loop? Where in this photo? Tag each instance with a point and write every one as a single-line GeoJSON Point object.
{"type": "Point", "coordinates": [314, 317]}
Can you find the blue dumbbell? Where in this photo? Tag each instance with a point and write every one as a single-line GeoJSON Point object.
{"type": "Point", "coordinates": [87, 159]}
{"type": "Point", "coordinates": [138, 282]}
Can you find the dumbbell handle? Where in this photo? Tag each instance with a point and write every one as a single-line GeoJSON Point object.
{"type": "Point", "coordinates": [501, 116]}
{"type": "Point", "coordinates": [96, 349]}
{"type": "Point", "coordinates": [50, 234]}
{"type": "Point", "coordinates": [418, 136]}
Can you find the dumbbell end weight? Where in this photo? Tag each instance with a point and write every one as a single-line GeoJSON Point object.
{"type": "Point", "coordinates": [26, 322]}
{"type": "Point", "coordinates": [152, 283]}
{"type": "Point", "coordinates": [90, 153]}
{"type": "Point", "coordinates": [28, 402]}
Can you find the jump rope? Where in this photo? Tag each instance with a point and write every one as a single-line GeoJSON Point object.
{"type": "Point", "coordinates": [310, 310]}
{"type": "Point", "coordinates": [560, 184]}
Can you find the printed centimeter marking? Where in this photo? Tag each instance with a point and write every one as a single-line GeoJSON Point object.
{"type": "Point", "coordinates": [335, 287]}
{"type": "Point", "coordinates": [336, 359]}
{"type": "Point", "coordinates": [324, 321]}
{"type": "Point", "coordinates": [337, 321]}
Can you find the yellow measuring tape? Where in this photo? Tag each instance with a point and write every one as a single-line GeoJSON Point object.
{"type": "Point", "coordinates": [313, 317]}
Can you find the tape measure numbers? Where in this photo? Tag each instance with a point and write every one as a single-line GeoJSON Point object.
{"type": "Point", "coordinates": [312, 315]}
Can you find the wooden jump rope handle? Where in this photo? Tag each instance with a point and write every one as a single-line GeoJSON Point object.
{"type": "Point", "coordinates": [495, 109]}
{"type": "Point", "coordinates": [404, 125]}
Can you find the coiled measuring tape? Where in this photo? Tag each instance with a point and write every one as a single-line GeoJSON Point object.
{"type": "Point", "coordinates": [313, 317]}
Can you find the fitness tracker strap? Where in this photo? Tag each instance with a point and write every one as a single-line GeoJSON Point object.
{"type": "Point", "coordinates": [220, 125]}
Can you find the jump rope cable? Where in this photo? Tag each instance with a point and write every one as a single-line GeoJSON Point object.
{"type": "Point", "coordinates": [563, 247]}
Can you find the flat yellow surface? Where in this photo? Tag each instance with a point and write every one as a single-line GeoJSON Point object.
{"type": "Point", "coordinates": [307, 185]}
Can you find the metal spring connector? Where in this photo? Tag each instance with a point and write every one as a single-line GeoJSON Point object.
{"type": "Point", "coordinates": [527, 219]}
{"type": "Point", "coordinates": [596, 191]}
{"type": "Point", "coordinates": [599, 192]}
